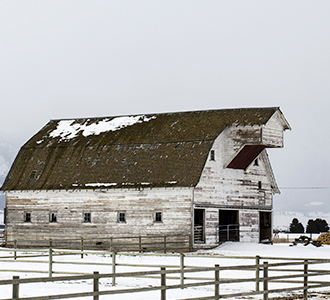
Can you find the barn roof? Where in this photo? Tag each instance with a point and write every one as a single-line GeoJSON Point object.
{"type": "Point", "coordinates": [153, 150]}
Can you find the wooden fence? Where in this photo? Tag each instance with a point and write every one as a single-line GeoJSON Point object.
{"type": "Point", "coordinates": [296, 272]}
{"type": "Point", "coordinates": [163, 243]}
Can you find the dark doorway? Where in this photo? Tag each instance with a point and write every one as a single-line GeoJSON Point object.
{"type": "Point", "coordinates": [265, 226]}
{"type": "Point", "coordinates": [228, 225]}
{"type": "Point", "coordinates": [199, 217]}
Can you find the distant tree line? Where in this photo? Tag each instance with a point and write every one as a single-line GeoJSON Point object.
{"type": "Point", "coordinates": [313, 226]}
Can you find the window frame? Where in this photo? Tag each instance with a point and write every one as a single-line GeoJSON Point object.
{"type": "Point", "coordinates": [27, 217]}
{"type": "Point", "coordinates": [87, 217]}
{"type": "Point", "coordinates": [256, 162]}
{"type": "Point", "coordinates": [121, 217]}
{"type": "Point", "coordinates": [212, 155]}
{"type": "Point", "coordinates": [158, 214]}
{"type": "Point", "coordinates": [52, 217]}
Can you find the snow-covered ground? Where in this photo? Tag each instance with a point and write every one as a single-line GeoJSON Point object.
{"type": "Point", "coordinates": [205, 258]}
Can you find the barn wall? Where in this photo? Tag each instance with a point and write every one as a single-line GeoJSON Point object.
{"type": "Point", "coordinates": [175, 204]}
{"type": "Point", "coordinates": [272, 133]}
{"type": "Point", "coordinates": [248, 191]}
{"type": "Point", "coordinates": [249, 226]}
{"type": "Point", "coordinates": [233, 187]}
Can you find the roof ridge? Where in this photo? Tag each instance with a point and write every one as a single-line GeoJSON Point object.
{"type": "Point", "coordinates": [167, 113]}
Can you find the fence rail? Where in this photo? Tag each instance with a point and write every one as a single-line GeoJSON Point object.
{"type": "Point", "coordinates": [139, 243]}
{"type": "Point", "coordinates": [297, 272]}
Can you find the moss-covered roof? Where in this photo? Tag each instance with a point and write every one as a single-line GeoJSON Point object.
{"type": "Point", "coordinates": [154, 150]}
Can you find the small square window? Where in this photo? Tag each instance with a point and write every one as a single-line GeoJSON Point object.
{"type": "Point", "coordinates": [256, 162]}
{"type": "Point", "coordinates": [158, 217]}
{"type": "Point", "coordinates": [53, 217]}
{"type": "Point", "coordinates": [87, 217]}
{"type": "Point", "coordinates": [27, 217]}
{"type": "Point", "coordinates": [122, 217]}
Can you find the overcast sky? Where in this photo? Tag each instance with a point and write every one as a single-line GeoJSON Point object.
{"type": "Point", "coordinates": [70, 59]}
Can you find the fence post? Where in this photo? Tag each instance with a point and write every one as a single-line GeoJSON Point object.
{"type": "Point", "coordinates": [96, 285]}
{"type": "Point", "coordinates": [82, 247]}
{"type": "Point", "coordinates": [216, 282]}
{"type": "Point", "coordinates": [257, 272]}
{"type": "Point", "coordinates": [190, 243]}
{"type": "Point", "coordinates": [15, 247]}
{"type": "Point", "coordinates": [163, 283]}
{"type": "Point", "coordinates": [140, 244]}
{"type": "Point", "coordinates": [182, 270]}
{"type": "Point", "coordinates": [15, 288]}
{"type": "Point", "coordinates": [165, 245]}
{"type": "Point", "coordinates": [50, 243]}
{"type": "Point", "coordinates": [113, 268]}
{"type": "Point", "coordinates": [50, 269]}
{"type": "Point", "coordinates": [305, 278]}
{"type": "Point", "coordinates": [265, 280]}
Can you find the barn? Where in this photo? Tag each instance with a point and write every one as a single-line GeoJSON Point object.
{"type": "Point", "coordinates": [205, 175]}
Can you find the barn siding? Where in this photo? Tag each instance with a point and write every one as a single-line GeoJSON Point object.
{"type": "Point", "coordinates": [272, 133]}
{"type": "Point", "coordinates": [220, 187]}
{"type": "Point", "coordinates": [211, 224]}
{"type": "Point", "coordinates": [139, 206]}
{"type": "Point", "coordinates": [249, 226]}
{"type": "Point", "coordinates": [232, 187]}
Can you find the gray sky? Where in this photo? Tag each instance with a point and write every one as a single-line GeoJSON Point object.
{"type": "Point", "coordinates": [69, 59]}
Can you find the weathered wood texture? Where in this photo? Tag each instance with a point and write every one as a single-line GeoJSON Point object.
{"type": "Point", "coordinates": [272, 133]}
{"type": "Point", "coordinates": [104, 206]}
{"type": "Point", "coordinates": [248, 191]}
{"type": "Point", "coordinates": [246, 186]}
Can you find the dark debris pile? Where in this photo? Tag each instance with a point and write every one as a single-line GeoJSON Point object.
{"type": "Point", "coordinates": [305, 240]}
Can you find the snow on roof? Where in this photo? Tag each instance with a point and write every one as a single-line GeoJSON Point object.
{"type": "Point", "coordinates": [68, 129]}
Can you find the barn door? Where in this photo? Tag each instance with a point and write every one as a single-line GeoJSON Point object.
{"type": "Point", "coordinates": [199, 225]}
{"type": "Point", "coordinates": [265, 226]}
{"type": "Point", "coordinates": [228, 225]}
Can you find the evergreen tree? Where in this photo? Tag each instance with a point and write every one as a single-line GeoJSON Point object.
{"type": "Point", "coordinates": [296, 226]}
{"type": "Point", "coordinates": [322, 225]}
{"type": "Point", "coordinates": [317, 226]}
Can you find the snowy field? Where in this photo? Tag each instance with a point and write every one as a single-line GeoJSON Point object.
{"type": "Point", "coordinates": [227, 249]}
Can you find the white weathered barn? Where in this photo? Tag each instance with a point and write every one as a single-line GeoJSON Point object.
{"type": "Point", "coordinates": [204, 174]}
